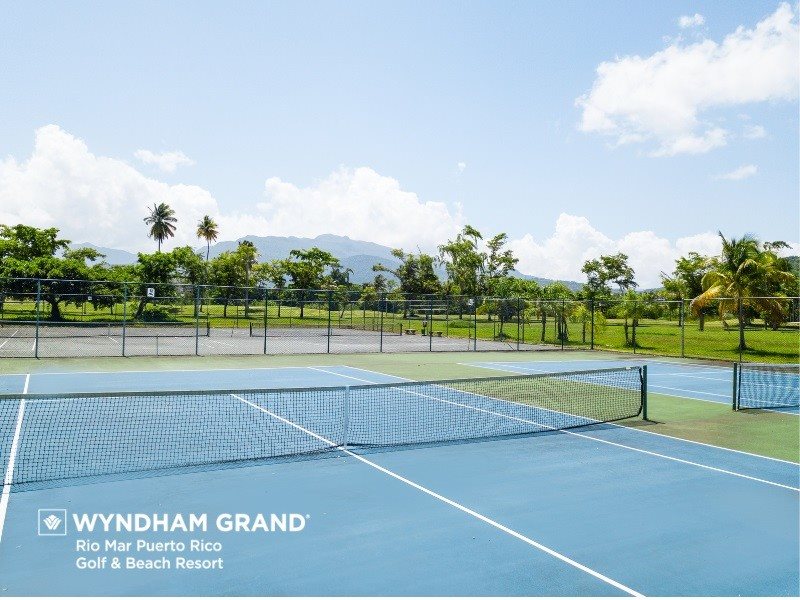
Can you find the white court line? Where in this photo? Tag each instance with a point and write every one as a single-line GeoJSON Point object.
{"type": "Point", "coordinates": [452, 503]}
{"type": "Point", "coordinates": [12, 457]}
{"type": "Point", "coordinates": [601, 440]}
{"type": "Point", "coordinates": [16, 331]}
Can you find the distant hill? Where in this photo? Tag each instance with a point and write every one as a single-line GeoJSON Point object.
{"type": "Point", "coordinates": [353, 254]}
{"type": "Point", "coordinates": [112, 255]}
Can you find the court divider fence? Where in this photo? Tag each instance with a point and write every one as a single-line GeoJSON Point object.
{"type": "Point", "coordinates": [60, 318]}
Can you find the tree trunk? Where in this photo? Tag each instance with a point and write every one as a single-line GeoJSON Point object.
{"type": "Point", "coordinates": [55, 310]}
{"type": "Point", "coordinates": [625, 326]}
{"type": "Point", "coordinates": [544, 325]}
{"type": "Point", "coordinates": [702, 322]}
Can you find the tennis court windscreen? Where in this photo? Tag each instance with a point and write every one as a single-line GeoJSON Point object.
{"type": "Point", "coordinates": [758, 385]}
{"type": "Point", "coordinates": [46, 438]}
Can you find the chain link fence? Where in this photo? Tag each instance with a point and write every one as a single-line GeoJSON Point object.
{"type": "Point", "coordinates": [57, 318]}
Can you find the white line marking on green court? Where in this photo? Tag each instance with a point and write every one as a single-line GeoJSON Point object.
{"type": "Point", "coordinates": [452, 503]}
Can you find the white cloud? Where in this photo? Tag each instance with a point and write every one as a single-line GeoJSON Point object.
{"type": "Point", "coordinates": [754, 132]}
{"type": "Point", "coordinates": [103, 200]}
{"type": "Point", "coordinates": [575, 241]}
{"type": "Point", "coordinates": [662, 98]}
{"type": "Point", "coordinates": [165, 161]}
{"type": "Point", "coordinates": [461, 166]}
{"type": "Point", "coordinates": [694, 20]}
{"type": "Point", "coordinates": [742, 172]}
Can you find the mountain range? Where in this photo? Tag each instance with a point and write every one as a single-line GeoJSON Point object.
{"type": "Point", "coordinates": [352, 254]}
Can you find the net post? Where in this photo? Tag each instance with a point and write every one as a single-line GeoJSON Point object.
{"type": "Point", "coordinates": [124, 314]}
{"type": "Point", "coordinates": [38, 312]}
{"type": "Point", "coordinates": [735, 396]}
{"type": "Point", "coordinates": [644, 393]}
{"type": "Point", "coordinates": [346, 417]}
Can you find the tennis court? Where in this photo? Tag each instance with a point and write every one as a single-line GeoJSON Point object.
{"type": "Point", "coordinates": [684, 379]}
{"type": "Point", "coordinates": [404, 488]}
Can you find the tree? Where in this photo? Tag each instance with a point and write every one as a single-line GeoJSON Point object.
{"type": "Point", "coordinates": [306, 270]}
{"type": "Point", "coordinates": [30, 252]}
{"type": "Point", "coordinates": [744, 276]}
{"type": "Point", "coordinates": [608, 269]}
{"type": "Point", "coordinates": [246, 252]}
{"type": "Point", "coordinates": [161, 221]}
{"type": "Point", "coordinates": [499, 263]}
{"type": "Point", "coordinates": [23, 242]}
{"type": "Point", "coordinates": [207, 230]}
{"type": "Point", "coordinates": [227, 275]}
{"type": "Point", "coordinates": [686, 280]}
{"type": "Point", "coordinates": [189, 266]}
{"type": "Point", "coordinates": [155, 271]}
{"type": "Point", "coordinates": [415, 273]}
{"type": "Point", "coordinates": [464, 262]}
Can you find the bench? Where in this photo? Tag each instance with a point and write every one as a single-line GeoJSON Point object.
{"type": "Point", "coordinates": [437, 333]}
{"type": "Point", "coordinates": [410, 331]}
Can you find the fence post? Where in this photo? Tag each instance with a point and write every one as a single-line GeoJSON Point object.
{"type": "Point", "coordinates": [266, 317]}
{"type": "Point", "coordinates": [519, 319]}
{"type": "Point", "coordinates": [741, 329]}
{"type": "Point", "coordinates": [329, 297]}
{"type": "Point", "coordinates": [563, 325]}
{"type": "Point", "coordinates": [381, 308]}
{"type": "Point", "coordinates": [475, 324]}
{"type": "Point", "coordinates": [430, 323]}
{"type": "Point", "coordinates": [38, 317]}
{"type": "Point", "coordinates": [682, 319]}
{"type": "Point", "coordinates": [197, 320]}
{"type": "Point", "coordinates": [124, 314]}
{"type": "Point", "coordinates": [591, 326]}
{"type": "Point", "coordinates": [633, 327]}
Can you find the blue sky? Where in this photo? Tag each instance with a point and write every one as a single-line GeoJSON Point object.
{"type": "Point", "coordinates": [399, 122]}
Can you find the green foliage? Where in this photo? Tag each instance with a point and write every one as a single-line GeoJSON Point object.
{"type": "Point", "coordinates": [416, 273]}
{"type": "Point", "coordinates": [162, 223]}
{"type": "Point", "coordinates": [606, 270]}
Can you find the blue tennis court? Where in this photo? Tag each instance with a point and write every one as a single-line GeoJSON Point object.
{"type": "Point", "coordinates": [597, 510]}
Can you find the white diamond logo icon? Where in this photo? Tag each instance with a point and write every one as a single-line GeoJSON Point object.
{"type": "Point", "coordinates": [52, 522]}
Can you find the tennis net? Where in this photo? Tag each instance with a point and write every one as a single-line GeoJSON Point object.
{"type": "Point", "coordinates": [758, 385]}
{"type": "Point", "coordinates": [47, 437]}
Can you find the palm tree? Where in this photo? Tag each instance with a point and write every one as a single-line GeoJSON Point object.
{"type": "Point", "coordinates": [742, 277]}
{"type": "Point", "coordinates": [161, 221]}
{"type": "Point", "coordinates": [207, 230]}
